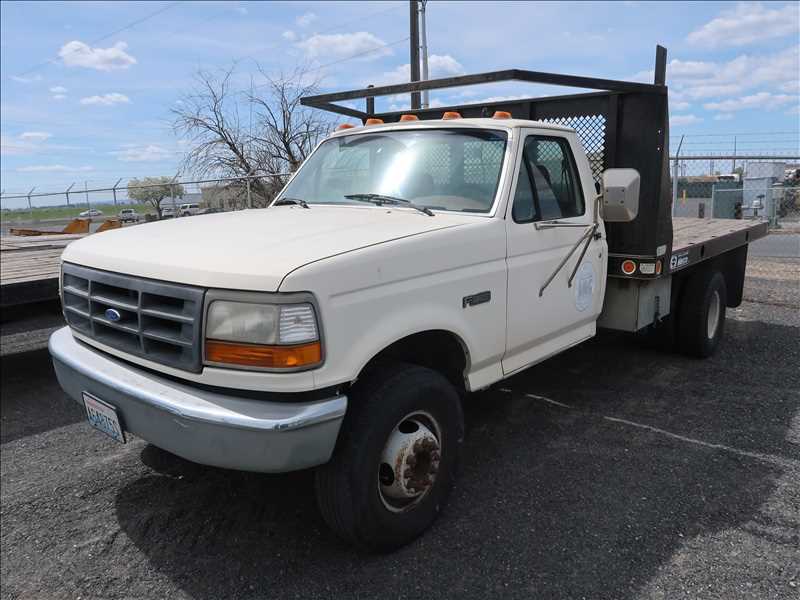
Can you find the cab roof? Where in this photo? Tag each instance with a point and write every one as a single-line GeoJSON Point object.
{"type": "Point", "coordinates": [483, 123]}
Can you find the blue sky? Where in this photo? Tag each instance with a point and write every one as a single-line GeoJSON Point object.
{"type": "Point", "coordinates": [81, 100]}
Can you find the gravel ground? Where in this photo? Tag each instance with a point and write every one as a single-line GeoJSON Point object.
{"type": "Point", "coordinates": [607, 472]}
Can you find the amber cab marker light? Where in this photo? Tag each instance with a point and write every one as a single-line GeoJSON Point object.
{"type": "Point", "coordinates": [451, 114]}
{"type": "Point", "coordinates": [373, 121]}
{"type": "Point", "coordinates": [344, 126]}
{"type": "Point", "coordinates": [501, 114]}
{"type": "Point", "coordinates": [628, 267]}
{"type": "Point", "coordinates": [269, 357]}
{"type": "Point", "coordinates": [409, 118]}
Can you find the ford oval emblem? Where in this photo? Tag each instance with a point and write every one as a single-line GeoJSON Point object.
{"type": "Point", "coordinates": [112, 314]}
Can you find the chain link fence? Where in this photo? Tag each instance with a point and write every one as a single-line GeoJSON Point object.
{"type": "Point", "coordinates": [170, 198]}
{"type": "Point", "coordinates": [738, 187]}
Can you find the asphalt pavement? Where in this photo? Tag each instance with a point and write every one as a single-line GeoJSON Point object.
{"type": "Point", "coordinates": [610, 471]}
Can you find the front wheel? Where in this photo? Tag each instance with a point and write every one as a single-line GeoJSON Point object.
{"type": "Point", "coordinates": [396, 459]}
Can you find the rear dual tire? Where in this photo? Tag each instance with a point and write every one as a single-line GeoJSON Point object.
{"type": "Point", "coordinates": [696, 321]}
{"type": "Point", "coordinates": [702, 314]}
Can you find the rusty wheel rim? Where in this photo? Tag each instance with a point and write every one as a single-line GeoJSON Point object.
{"type": "Point", "coordinates": [409, 462]}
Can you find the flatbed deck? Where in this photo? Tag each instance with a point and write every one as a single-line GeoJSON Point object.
{"type": "Point", "coordinates": [29, 267]}
{"type": "Point", "coordinates": [695, 240]}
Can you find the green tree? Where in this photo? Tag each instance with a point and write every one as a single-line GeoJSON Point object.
{"type": "Point", "coordinates": [152, 190]}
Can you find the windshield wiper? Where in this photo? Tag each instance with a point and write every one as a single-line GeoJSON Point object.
{"type": "Point", "coordinates": [288, 201]}
{"type": "Point", "coordinates": [381, 199]}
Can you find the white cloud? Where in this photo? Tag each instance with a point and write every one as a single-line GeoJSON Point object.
{"type": "Point", "coordinates": [53, 169]}
{"type": "Point", "coordinates": [679, 105]}
{"type": "Point", "coordinates": [58, 89]}
{"type": "Point", "coordinates": [344, 45]}
{"type": "Point", "coordinates": [693, 80]}
{"type": "Point", "coordinates": [59, 97]}
{"type": "Point", "coordinates": [289, 35]}
{"type": "Point", "coordinates": [723, 117]}
{"type": "Point", "coordinates": [495, 99]}
{"type": "Point", "coordinates": [11, 147]}
{"type": "Point", "coordinates": [439, 65]}
{"type": "Point", "coordinates": [149, 153]}
{"type": "Point", "coordinates": [761, 100]}
{"type": "Point", "coordinates": [26, 78]}
{"type": "Point", "coordinates": [107, 99]}
{"type": "Point", "coordinates": [679, 120]}
{"type": "Point", "coordinates": [749, 22]}
{"type": "Point", "coordinates": [78, 54]}
{"type": "Point", "coordinates": [306, 19]}
{"type": "Point", "coordinates": [35, 136]}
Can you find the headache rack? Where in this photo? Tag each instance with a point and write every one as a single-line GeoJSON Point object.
{"type": "Point", "coordinates": [625, 124]}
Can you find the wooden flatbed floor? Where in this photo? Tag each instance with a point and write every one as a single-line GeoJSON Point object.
{"type": "Point", "coordinates": [694, 240]}
{"type": "Point", "coordinates": [29, 267]}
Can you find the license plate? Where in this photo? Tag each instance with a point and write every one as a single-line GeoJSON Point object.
{"type": "Point", "coordinates": [103, 416]}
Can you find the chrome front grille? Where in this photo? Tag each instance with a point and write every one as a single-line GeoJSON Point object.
{"type": "Point", "coordinates": [157, 321]}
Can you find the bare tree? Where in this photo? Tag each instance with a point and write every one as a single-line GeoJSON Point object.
{"type": "Point", "coordinates": [152, 190]}
{"type": "Point", "coordinates": [260, 131]}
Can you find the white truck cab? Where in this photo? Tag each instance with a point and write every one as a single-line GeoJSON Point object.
{"type": "Point", "coordinates": [405, 264]}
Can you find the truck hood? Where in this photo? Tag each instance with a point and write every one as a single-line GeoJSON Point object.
{"type": "Point", "coordinates": [250, 249]}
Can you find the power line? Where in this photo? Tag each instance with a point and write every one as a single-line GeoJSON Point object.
{"type": "Point", "coordinates": [103, 37]}
{"type": "Point", "coordinates": [345, 59]}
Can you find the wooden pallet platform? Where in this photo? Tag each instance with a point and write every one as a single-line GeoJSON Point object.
{"type": "Point", "coordinates": [29, 267]}
{"type": "Point", "coordinates": [695, 240]}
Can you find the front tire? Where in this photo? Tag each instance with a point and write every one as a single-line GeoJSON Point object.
{"type": "Point", "coordinates": [396, 459]}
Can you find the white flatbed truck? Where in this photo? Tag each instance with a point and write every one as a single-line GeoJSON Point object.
{"type": "Point", "coordinates": [410, 260]}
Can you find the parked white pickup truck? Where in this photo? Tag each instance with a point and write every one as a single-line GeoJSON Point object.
{"type": "Point", "coordinates": [408, 262]}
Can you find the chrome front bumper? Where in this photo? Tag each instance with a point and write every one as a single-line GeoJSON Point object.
{"type": "Point", "coordinates": [202, 426]}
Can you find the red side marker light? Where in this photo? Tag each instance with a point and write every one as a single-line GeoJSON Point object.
{"type": "Point", "coordinates": [628, 267]}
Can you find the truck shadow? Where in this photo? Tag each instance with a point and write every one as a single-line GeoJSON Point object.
{"type": "Point", "coordinates": [553, 501]}
{"type": "Point", "coordinates": [32, 401]}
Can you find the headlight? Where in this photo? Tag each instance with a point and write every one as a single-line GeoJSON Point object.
{"type": "Point", "coordinates": [267, 336]}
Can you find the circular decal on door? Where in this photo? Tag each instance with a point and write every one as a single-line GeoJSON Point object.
{"type": "Point", "coordinates": [584, 286]}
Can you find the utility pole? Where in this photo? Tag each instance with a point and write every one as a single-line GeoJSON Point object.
{"type": "Point", "coordinates": [424, 42]}
{"type": "Point", "coordinates": [413, 18]}
{"type": "Point", "coordinates": [86, 193]}
{"type": "Point", "coordinates": [733, 168]}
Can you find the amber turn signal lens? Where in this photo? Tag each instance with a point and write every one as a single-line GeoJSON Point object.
{"type": "Point", "coordinates": [256, 355]}
{"type": "Point", "coordinates": [409, 118]}
{"type": "Point", "coordinates": [501, 114]}
{"type": "Point", "coordinates": [374, 121]}
{"type": "Point", "coordinates": [451, 114]}
{"type": "Point", "coordinates": [344, 126]}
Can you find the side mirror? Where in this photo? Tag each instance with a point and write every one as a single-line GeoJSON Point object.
{"type": "Point", "coordinates": [620, 195]}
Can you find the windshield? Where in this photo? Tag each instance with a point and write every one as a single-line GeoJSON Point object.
{"type": "Point", "coordinates": [445, 169]}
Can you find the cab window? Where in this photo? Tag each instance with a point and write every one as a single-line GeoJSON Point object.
{"type": "Point", "coordinates": [548, 186]}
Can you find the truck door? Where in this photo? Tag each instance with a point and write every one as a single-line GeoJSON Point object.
{"type": "Point", "coordinates": [551, 208]}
